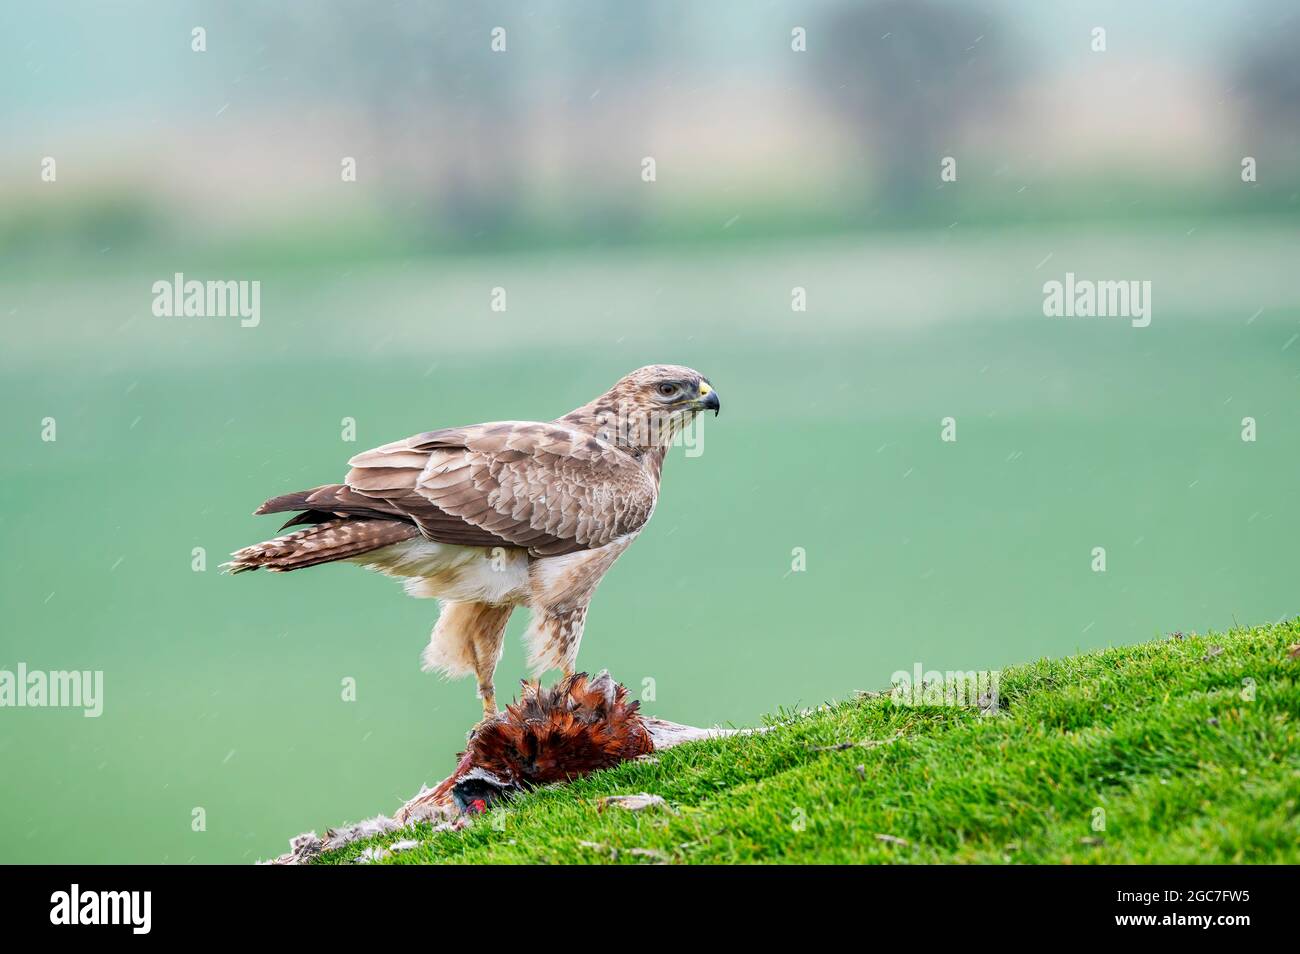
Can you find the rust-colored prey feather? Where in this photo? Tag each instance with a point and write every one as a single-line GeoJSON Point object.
{"type": "Point", "coordinates": [576, 727]}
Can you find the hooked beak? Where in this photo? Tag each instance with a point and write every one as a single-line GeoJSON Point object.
{"type": "Point", "coordinates": [708, 400]}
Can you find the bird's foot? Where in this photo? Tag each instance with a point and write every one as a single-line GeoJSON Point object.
{"type": "Point", "coordinates": [490, 714]}
{"type": "Point", "coordinates": [481, 723]}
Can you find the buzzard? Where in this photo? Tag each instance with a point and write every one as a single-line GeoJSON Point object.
{"type": "Point", "coordinates": [493, 516]}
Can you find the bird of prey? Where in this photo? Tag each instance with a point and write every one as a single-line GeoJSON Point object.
{"type": "Point", "coordinates": [493, 516]}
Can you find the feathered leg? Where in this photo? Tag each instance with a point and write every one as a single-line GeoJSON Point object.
{"type": "Point", "coordinates": [553, 639]}
{"type": "Point", "coordinates": [468, 640]}
{"type": "Point", "coordinates": [560, 589]}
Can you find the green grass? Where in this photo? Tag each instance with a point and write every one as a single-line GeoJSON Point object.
{"type": "Point", "coordinates": [1188, 764]}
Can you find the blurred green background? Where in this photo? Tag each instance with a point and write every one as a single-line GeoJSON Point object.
{"type": "Point", "coordinates": [817, 169]}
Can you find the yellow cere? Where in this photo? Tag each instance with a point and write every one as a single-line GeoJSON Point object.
{"type": "Point", "coordinates": [705, 390]}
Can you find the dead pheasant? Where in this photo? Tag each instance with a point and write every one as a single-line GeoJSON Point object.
{"type": "Point", "coordinates": [576, 727]}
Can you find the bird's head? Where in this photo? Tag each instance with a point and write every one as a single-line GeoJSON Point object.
{"type": "Point", "coordinates": [479, 791]}
{"type": "Point", "coordinates": [650, 406]}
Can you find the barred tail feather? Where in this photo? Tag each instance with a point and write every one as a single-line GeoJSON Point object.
{"type": "Point", "coordinates": [324, 542]}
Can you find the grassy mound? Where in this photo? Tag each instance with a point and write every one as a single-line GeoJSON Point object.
{"type": "Point", "coordinates": [1183, 750]}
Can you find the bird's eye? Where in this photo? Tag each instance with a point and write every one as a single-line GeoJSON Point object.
{"type": "Point", "coordinates": [667, 390]}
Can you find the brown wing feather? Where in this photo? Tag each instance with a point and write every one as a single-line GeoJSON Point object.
{"type": "Point", "coordinates": [554, 487]}
{"type": "Point", "coordinates": [332, 500]}
{"type": "Point", "coordinates": [548, 487]}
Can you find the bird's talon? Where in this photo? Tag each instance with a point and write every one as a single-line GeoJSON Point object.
{"type": "Point", "coordinates": [481, 723]}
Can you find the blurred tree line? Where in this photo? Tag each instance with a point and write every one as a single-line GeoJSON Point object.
{"type": "Point", "coordinates": [540, 145]}
{"type": "Point", "coordinates": [461, 132]}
